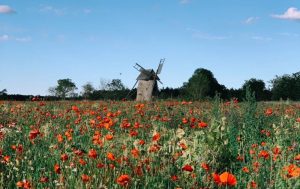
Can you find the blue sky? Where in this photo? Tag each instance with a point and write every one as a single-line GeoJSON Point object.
{"type": "Point", "coordinates": [89, 40]}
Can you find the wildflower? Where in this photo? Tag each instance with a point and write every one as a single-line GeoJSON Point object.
{"type": "Point", "coordinates": [297, 157]}
{"type": "Point", "coordinates": [202, 124]}
{"type": "Point", "coordinates": [64, 157]}
{"type": "Point", "coordinates": [33, 134]}
{"type": "Point", "coordinates": [109, 137]}
{"type": "Point", "coordinates": [264, 154]}
{"type": "Point", "coordinates": [135, 152]}
{"type": "Point", "coordinates": [268, 112]}
{"type": "Point", "coordinates": [187, 168]}
{"type": "Point", "coordinates": [82, 162]}
{"type": "Point", "coordinates": [59, 138]}
{"type": "Point", "coordinates": [292, 171]}
{"type": "Point", "coordinates": [174, 178]}
{"type": "Point", "coordinates": [85, 178]}
{"type": "Point", "coordinates": [123, 180]}
{"type": "Point", "coordinates": [111, 156]}
{"type": "Point", "coordinates": [93, 154]}
{"type": "Point", "coordinates": [156, 137]}
{"type": "Point", "coordinates": [57, 169]}
{"type": "Point", "coordinates": [245, 170]}
{"type": "Point", "coordinates": [205, 166]}
{"type": "Point", "coordinates": [185, 120]}
{"type": "Point", "coordinates": [225, 179]}
{"type": "Point", "coordinates": [252, 184]}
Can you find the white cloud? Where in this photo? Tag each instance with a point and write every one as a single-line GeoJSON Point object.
{"type": "Point", "coordinates": [5, 9]}
{"type": "Point", "coordinates": [4, 37]}
{"type": "Point", "coordinates": [23, 39]}
{"type": "Point", "coordinates": [291, 14]}
{"type": "Point", "coordinates": [185, 1]}
{"type": "Point", "coordinates": [261, 38]}
{"type": "Point", "coordinates": [251, 20]}
{"type": "Point", "coordinates": [52, 10]}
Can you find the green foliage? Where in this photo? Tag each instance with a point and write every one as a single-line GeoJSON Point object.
{"type": "Point", "coordinates": [65, 88]}
{"type": "Point", "coordinates": [202, 84]}
{"type": "Point", "coordinates": [286, 87]}
{"type": "Point", "coordinates": [87, 90]}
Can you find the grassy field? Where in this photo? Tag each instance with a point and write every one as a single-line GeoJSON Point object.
{"type": "Point", "coordinates": [164, 144]}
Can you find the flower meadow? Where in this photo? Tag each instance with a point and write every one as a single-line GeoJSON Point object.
{"type": "Point", "coordinates": [162, 144]}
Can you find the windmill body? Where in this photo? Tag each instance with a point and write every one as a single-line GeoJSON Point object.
{"type": "Point", "coordinates": [147, 80]}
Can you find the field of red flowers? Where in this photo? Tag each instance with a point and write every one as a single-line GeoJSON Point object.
{"type": "Point", "coordinates": [163, 144]}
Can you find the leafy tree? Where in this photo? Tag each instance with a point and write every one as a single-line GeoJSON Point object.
{"type": "Point", "coordinates": [88, 90]}
{"type": "Point", "coordinates": [286, 87]}
{"type": "Point", "coordinates": [115, 84]}
{"type": "Point", "coordinates": [202, 84]}
{"type": "Point", "coordinates": [65, 88]}
{"type": "Point", "coordinates": [257, 86]}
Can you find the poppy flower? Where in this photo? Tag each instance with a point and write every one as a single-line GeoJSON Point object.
{"type": "Point", "coordinates": [109, 137]}
{"type": "Point", "coordinates": [110, 156]}
{"type": "Point", "coordinates": [174, 178]}
{"type": "Point", "coordinates": [44, 179]}
{"type": "Point", "coordinates": [123, 180]}
{"type": "Point", "coordinates": [205, 166]}
{"type": "Point", "coordinates": [57, 169]}
{"type": "Point", "coordinates": [202, 124]}
{"type": "Point", "coordinates": [156, 137]}
{"type": "Point", "coordinates": [33, 134]}
{"type": "Point", "coordinates": [297, 157]}
{"type": "Point", "coordinates": [268, 112]}
{"type": "Point", "coordinates": [187, 168]}
{"type": "Point", "coordinates": [135, 153]}
{"type": "Point", "coordinates": [293, 171]}
{"type": "Point", "coordinates": [93, 154]}
{"type": "Point", "coordinates": [264, 154]}
{"type": "Point", "coordinates": [85, 178]}
{"type": "Point", "coordinates": [225, 179]}
{"type": "Point", "coordinates": [64, 157]}
{"type": "Point", "coordinates": [245, 170]}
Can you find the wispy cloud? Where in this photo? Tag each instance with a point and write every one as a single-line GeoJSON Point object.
{"type": "Point", "coordinates": [5, 9]}
{"type": "Point", "coordinates": [184, 1]}
{"type": "Point", "coordinates": [23, 39]}
{"type": "Point", "coordinates": [6, 37]}
{"type": "Point", "coordinates": [251, 20]}
{"type": "Point", "coordinates": [87, 11]}
{"type": "Point", "coordinates": [291, 14]}
{"type": "Point", "coordinates": [53, 10]}
{"type": "Point", "coordinates": [261, 38]}
{"type": "Point", "coordinates": [287, 34]}
{"type": "Point", "coordinates": [201, 35]}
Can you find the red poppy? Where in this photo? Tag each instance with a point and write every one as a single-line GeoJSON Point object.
{"type": "Point", "coordinates": [187, 168]}
{"type": "Point", "coordinates": [64, 157]}
{"type": "Point", "coordinates": [85, 178]}
{"type": "Point", "coordinates": [123, 180]}
{"type": "Point", "coordinates": [225, 179]}
{"type": "Point", "coordinates": [205, 166]}
{"type": "Point", "coordinates": [156, 137]}
{"type": "Point", "coordinates": [264, 154]}
{"type": "Point", "coordinates": [135, 153]}
{"type": "Point", "coordinates": [202, 124]}
{"type": "Point", "coordinates": [111, 156]}
{"type": "Point", "coordinates": [33, 134]}
{"type": "Point", "coordinates": [57, 169]}
{"type": "Point", "coordinates": [93, 154]}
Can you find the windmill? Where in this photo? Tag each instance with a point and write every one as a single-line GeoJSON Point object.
{"type": "Point", "coordinates": [147, 81]}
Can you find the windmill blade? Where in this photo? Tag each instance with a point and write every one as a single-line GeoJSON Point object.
{"type": "Point", "coordinates": [161, 63]}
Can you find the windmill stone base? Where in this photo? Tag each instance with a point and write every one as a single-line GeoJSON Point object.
{"type": "Point", "coordinates": [144, 90]}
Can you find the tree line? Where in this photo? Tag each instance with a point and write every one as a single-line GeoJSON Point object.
{"type": "Point", "coordinates": [201, 85]}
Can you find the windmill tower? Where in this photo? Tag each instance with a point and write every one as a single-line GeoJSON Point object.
{"type": "Point", "coordinates": [147, 80]}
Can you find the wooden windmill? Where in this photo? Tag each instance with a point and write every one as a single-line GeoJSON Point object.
{"type": "Point", "coordinates": [147, 81]}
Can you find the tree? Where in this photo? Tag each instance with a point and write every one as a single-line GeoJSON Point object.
{"type": "Point", "coordinates": [65, 88]}
{"type": "Point", "coordinates": [202, 84]}
{"type": "Point", "coordinates": [115, 84]}
{"type": "Point", "coordinates": [286, 87]}
{"type": "Point", "coordinates": [88, 90]}
{"type": "Point", "coordinates": [257, 86]}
